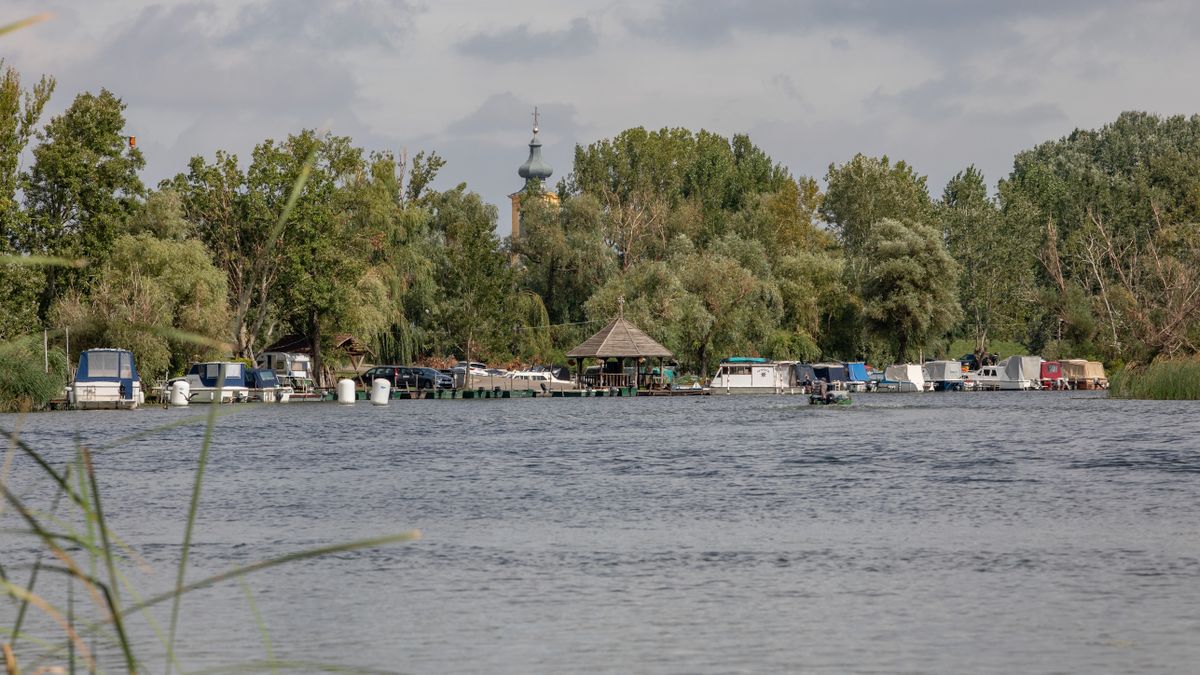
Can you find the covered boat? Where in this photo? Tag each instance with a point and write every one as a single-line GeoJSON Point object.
{"type": "Point", "coordinates": [831, 372]}
{"type": "Point", "coordinates": [753, 375]}
{"type": "Point", "coordinates": [266, 387]}
{"type": "Point", "coordinates": [207, 385]}
{"type": "Point", "coordinates": [903, 377]}
{"type": "Point", "coordinates": [1084, 374]}
{"type": "Point", "coordinates": [857, 376]}
{"type": "Point", "coordinates": [945, 375]}
{"type": "Point", "coordinates": [1015, 373]}
{"type": "Point", "coordinates": [106, 378]}
{"type": "Point", "coordinates": [1052, 376]}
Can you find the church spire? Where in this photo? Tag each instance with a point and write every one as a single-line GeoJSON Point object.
{"type": "Point", "coordinates": [535, 168]}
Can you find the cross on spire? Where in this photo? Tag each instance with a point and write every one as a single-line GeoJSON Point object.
{"type": "Point", "coordinates": [535, 119]}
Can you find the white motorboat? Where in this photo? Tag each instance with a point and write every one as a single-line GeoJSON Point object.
{"type": "Point", "coordinates": [1015, 373]}
{"type": "Point", "coordinates": [751, 375]}
{"type": "Point", "coordinates": [106, 378]}
{"type": "Point", "coordinates": [206, 385]}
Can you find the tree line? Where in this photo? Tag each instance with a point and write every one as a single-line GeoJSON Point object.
{"type": "Point", "coordinates": [1089, 247]}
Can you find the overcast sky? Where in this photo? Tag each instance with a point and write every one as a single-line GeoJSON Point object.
{"type": "Point", "coordinates": [939, 83]}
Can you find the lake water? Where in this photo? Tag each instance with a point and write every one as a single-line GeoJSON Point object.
{"type": "Point", "coordinates": [947, 533]}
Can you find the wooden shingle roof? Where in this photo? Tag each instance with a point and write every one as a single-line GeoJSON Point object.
{"type": "Point", "coordinates": [619, 339]}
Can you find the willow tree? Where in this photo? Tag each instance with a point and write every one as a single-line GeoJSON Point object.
{"type": "Point", "coordinates": [909, 288]}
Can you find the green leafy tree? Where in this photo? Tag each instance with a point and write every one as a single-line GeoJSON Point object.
{"type": "Point", "coordinates": [474, 312]}
{"type": "Point", "coordinates": [997, 252]}
{"type": "Point", "coordinates": [864, 191]}
{"type": "Point", "coordinates": [81, 188]}
{"type": "Point", "coordinates": [20, 110]}
{"type": "Point", "coordinates": [563, 254]}
{"type": "Point", "coordinates": [910, 287]}
{"type": "Point", "coordinates": [148, 294]}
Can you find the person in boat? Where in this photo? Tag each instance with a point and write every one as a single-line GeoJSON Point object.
{"type": "Point", "coordinates": [807, 384]}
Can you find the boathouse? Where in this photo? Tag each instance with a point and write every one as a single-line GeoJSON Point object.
{"type": "Point", "coordinates": [625, 356]}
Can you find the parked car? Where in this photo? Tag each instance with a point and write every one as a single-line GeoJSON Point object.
{"type": "Point", "coordinates": [401, 377]}
{"type": "Point", "coordinates": [439, 379]}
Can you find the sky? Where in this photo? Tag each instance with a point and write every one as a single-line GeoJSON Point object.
{"type": "Point", "coordinates": [941, 84]}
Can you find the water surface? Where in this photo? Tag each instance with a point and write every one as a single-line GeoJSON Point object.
{"type": "Point", "coordinates": [969, 533]}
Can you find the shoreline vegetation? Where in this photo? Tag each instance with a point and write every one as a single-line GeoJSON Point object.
{"type": "Point", "coordinates": [1089, 248]}
{"type": "Point", "coordinates": [1165, 380]}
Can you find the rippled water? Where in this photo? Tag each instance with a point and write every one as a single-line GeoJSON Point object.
{"type": "Point", "coordinates": [987, 532]}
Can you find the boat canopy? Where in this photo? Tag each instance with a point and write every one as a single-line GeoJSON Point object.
{"type": "Point", "coordinates": [97, 365]}
{"type": "Point", "coordinates": [804, 371]}
{"type": "Point", "coordinates": [1021, 367]}
{"type": "Point", "coordinates": [746, 359]}
{"type": "Point", "coordinates": [943, 371]}
{"type": "Point", "coordinates": [209, 373]}
{"type": "Point", "coordinates": [857, 372]}
{"type": "Point", "coordinates": [831, 372]}
{"type": "Point", "coordinates": [905, 372]}
{"type": "Point", "coordinates": [260, 378]}
{"type": "Point", "coordinates": [1082, 369]}
{"type": "Point", "coordinates": [1052, 370]}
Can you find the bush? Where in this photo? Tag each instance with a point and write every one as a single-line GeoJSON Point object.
{"type": "Point", "coordinates": [24, 384]}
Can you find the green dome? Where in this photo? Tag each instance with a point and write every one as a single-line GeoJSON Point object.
{"type": "Point", "coordinates": [535, 168]}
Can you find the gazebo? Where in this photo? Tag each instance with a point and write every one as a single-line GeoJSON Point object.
{"type": "Point", "coordinates": [617, 342]}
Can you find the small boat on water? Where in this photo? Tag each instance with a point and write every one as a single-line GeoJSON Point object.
{"type": "Point", "coordinates": [752, 375]}
{"type": "Point", "coordinates": [106, 378]}
{"type": "Point", "coordinates": [206, 385]}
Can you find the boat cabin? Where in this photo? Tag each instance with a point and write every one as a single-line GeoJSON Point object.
{"type": "Point", "coordinates": [203, 380]}
{"type": "Point", "coordinates": [106, 378]}
{"type": "Point", "coordinates": [1052, 375]}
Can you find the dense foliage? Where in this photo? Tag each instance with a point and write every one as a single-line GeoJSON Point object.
{"type": "Point", "coordinates": [1088, 248]}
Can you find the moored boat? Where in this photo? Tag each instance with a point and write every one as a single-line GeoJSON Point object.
{"type": "Point", "coordinates": [944, 375]}
{"type": "Point", "coordinates": [753, 375]}
{"type": "Point", "coordinates": [106, 378]}
{"type": "Point", "coordinates": [1084, 374]}
{"type": "Point", "coordinates": [216, 382]}
{"type": "Point", "coordinates": [903, 377]}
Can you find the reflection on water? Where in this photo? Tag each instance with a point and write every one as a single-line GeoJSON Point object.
{"type": "Point", "coordinates": [989, 532]}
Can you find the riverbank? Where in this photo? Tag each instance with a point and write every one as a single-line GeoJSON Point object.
{"type": "Point", "coordinates": [1167, 380]}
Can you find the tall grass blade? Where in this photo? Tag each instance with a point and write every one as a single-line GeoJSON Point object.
{"type": "Point", "coordinates": [40, 260]}
{"type": "Point", "coordinates": [237, 572]}
{"type": "Point", "coordinates": [26, 22]}
{"type": "Point", "coordinates": [262, 625]}
{"type": "Point", "coordinates": [112, 591]}
{"type": "Point", "coordinates": [45, 466]}
{"type": "Point", "coordinates": [193, 507]}
{"type": "Point", "coordinates": [49, 540]}
{"type": "Point", "coordinates": [54, 614]}
{"type": "Point", "coordinates": [33, 575]}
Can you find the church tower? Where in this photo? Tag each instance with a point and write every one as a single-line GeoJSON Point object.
{"type": "Point", "coordinates": [535, 171]}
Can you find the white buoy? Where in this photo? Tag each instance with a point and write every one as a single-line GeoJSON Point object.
{"type": "Point", "coordinates": [381, 391]}
{"type": "Point", "coordinates": [345, 389]}
{"type": "Point", "coordinates": [180, 391]}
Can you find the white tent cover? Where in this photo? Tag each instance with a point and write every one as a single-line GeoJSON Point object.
{"type": "Point", "coordinates": [906, 372]}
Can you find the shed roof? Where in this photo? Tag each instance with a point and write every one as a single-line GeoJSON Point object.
{"type": "Point", "coordinates": [619, 339]}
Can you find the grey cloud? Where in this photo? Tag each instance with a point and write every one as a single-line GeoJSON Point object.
{"type": "Point", "coordinates": [935, 23]}
{"type": "Point", "coordinates": [506, 114]}
{"type": "Point", "coordinates": [322, 23]}
{"type": "Point", "coordinates": [521, 43]}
